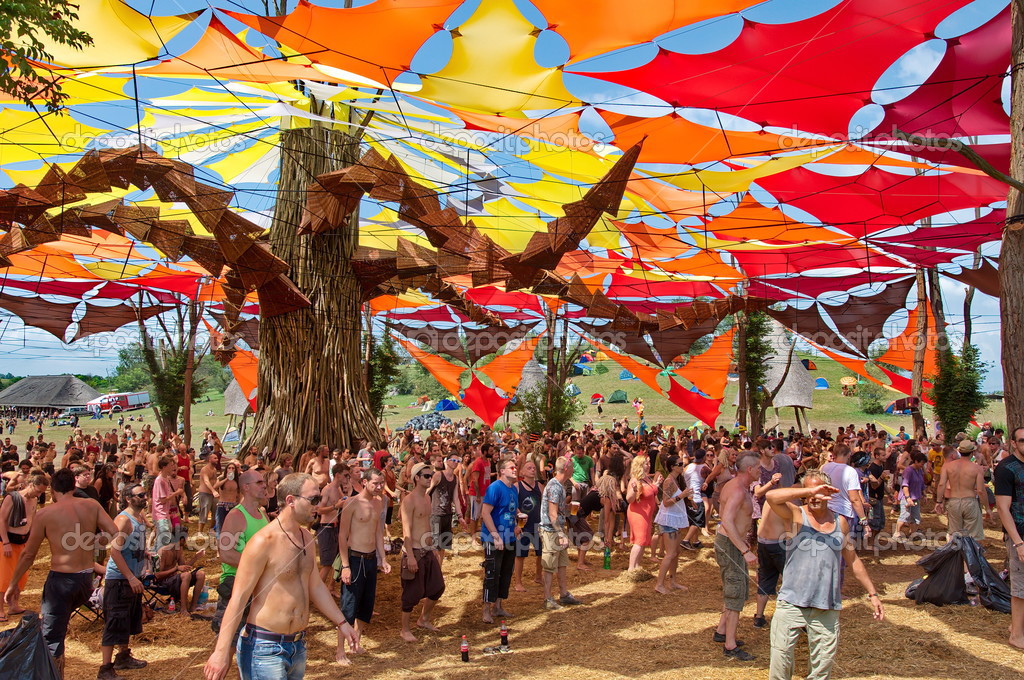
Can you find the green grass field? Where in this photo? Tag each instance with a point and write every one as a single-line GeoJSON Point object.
{"type": "Point", "coordinates": [831, 408]}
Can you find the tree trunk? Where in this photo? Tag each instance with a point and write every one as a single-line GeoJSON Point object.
{"type": "Point", "coordinates": [312, 386]}
{"type": "Point", "coordinates": [190, 366]}
{"type": "Point", "coordinates": [919, 350]}
{"type": "Point", "coordinates": [1012, 253]}
{"type": "Point", "coordinates": [741, 367]}
{"type": "Point", "coordinates": [969, 303]}
{"type": "Point", "coordinates": [552, 364]}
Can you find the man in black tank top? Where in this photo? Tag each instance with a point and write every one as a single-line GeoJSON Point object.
{"type": "Point", "coordinates": [444, 505]}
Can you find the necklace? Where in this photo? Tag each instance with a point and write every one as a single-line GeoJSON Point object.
{"type": "Point", "coordinates": [290, 539]}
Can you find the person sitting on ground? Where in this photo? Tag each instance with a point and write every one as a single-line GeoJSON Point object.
{"type": "Point", "coordinates": [179, 575]}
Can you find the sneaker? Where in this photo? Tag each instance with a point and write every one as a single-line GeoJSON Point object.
{"type": "Point", "coordinates": [686, 545]}
{"type": "Point", "coordinates": [124, 661]}
{"type": "Point", "coordinates": [738, 654]}
{"type": "Point", "coordinates": [760, 622]}
{"type": "Point", "coordinates": [697, 545]}
{"type": "Point", "coordinates": [568, 599]}
{"type": "Point", "coordinates": [550, 603]}
{"type": "Point", "coordinates": [718, 637]}
{"type": "Point", "coordinates": [107, 672]}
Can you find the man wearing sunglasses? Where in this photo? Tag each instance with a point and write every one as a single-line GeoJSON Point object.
{"type": "Point", "coordinates": [277, 573]}
{"type": "Point", "coordinates": [240, 525]}
{"type": "Point", "coordinates": [444, 505]}
{"type": "Point", "coordinates": [421, 570]}
{"type": "Point", "coordinates": [1009, 483]}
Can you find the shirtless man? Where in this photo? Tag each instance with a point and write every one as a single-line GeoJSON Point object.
{"type": "Point", "coordinates": [226, 491]}
{"type": "Point", "coordinates": [960, 491]}
{"type": "Point", "coordinates": [332, 500]}
{"type": "Point", "coordinates": [419, 559]}
{"type": "Point", "coordinates": [732, 552]}
{"type": "Point", "coordinates": [69, 583]}
{"type": "Point", "coordinates": [771, 560]}
{"type": "Point", "coordinates": [278, 571]}
{"type": "Point", "coordinates": [361, 544]}
{"type": "Point", "coordinates": [319, 466]}
{"type": "Point", "coordinates": [207, 480]}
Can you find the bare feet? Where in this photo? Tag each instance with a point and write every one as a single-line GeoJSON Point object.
{"type": "Point", "coordinates": [358, 649]}
{"type": "Point", "coordinates": [538, 581]}
{"type": "Point", "coordinates": [426, 625]}
{"type": "Point", "coordinates": [1017, 642]}
{"type": "Point", "coordinates": [583, 567]}
{"type": "Point", "coordinates": [662, 589]}
{"type": "Point", "coordinates": [501, 612]}
{"type": "Point", "coordinates": [679, 586]}
{"type": "Point", "coordinates": [519, 588]}
{"type": "Point", "coordinates": [408, 636]}
{"type": "Point", "coordinates": [488, 618]}
{"type": "Point", "coordinates": [344, 661]}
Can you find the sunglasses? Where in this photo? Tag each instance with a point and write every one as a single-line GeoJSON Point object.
{"type": "Point", "coordinates": [425, 475]}
{"type": "Point", "coordinates": [313, 500]}
{"type": "Point", "coordinates": [137, 495]}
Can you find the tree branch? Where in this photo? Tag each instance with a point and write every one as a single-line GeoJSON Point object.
{"type": "Point", "coordinates": [964, 150]}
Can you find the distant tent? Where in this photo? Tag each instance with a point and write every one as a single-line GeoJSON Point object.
{"type": "Point", "coordinates": [618, 397]}
{"type": "Point", "coordinates": [235, 403]}
{"type": "Point", "coordinates": [596, 398]}
{"type": "Point", "coordinates": [572, 389]}
{"type": "Point", "coordinates": [586, 357]}
{"type": "Point", "coordinates": [903, 406]}
{"type": "Point", "coordinates": [48, 392]}
{"type": "Point", "coordinates": [582, 369]}
{"type": "Point", "coordinates": [534, 376]}
{"type": "Point", "coordinates": [809, 365]}
{"type": "Point", "coordinates": [447, 405]}
{"type": "Point", "coordinates": [626, 375]}
{"type": "Point", "coordinates": [232, 435]}
{"type": "Point", "coordinates": [821, 384]}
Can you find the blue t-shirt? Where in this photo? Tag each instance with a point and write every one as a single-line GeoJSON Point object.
{"type": "Point", "coordinates": [505, 501]}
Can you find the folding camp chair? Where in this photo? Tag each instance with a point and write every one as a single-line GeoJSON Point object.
{"type": "Point", "coordinates": [155, 596]}
{"type": "Point", "coordinates": [92, 610]}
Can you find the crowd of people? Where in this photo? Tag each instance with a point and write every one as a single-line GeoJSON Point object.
{"type": "Point", "coordinates": [784, 511]}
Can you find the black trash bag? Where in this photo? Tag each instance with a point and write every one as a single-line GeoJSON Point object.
{"type": "Point", "coordinates": [944, 583]}
{"type": "Point", "coordinates": [912, 588]}
{"type": "Point", "coordinates": [993, 591]}
{"type": "Point", "coordinates": [23, 652]}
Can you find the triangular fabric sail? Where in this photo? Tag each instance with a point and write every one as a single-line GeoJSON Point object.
{"type": "Point", "coordinates": [506, 370]}
{"type": "Point", "coordinates": [704, 409]}
{"type": "Point", "coordinates": [245, 367]}
{"type": "Point", "coordinates": [709, 371]}
{"type": "Point", "coordinates": [646, 374]}
{"type": "Point", "coordinates": [443, 371]}
{"type": "Point", "coordinates": [484, 401]}
{"type": "Point", "coordinates": [901, 349]}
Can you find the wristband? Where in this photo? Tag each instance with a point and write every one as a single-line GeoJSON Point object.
{"type": "Point", "coordinates": [1017, 545]}
{"type": "Point", "coordinates": [871, 595]}
{"type": "Point", "coordinates": [746, 551]}
{"type": "Point", "coordinates": [346, 567]}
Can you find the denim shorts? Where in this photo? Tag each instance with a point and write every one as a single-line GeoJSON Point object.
{"type": "Point", "coordinates": [667, 530]}
{"type": "Point", "coordinates": [266, 660]}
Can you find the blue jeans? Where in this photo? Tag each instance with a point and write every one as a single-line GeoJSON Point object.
{"type": "Point", "coordinates": [266, 660]}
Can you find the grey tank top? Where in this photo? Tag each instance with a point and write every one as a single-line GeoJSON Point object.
{"type": "Point", "coordinates": [442, 496]}
{"type": "Point", "coordinates": [813, 567]}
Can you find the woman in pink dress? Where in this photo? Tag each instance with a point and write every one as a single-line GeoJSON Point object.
{"type": "Point", "coordinates": [642, 497]}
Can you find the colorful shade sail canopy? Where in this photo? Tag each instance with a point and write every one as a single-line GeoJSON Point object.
{"type": "Point", "coordinates": [587, 158]}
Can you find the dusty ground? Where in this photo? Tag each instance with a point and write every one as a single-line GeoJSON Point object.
{"type": "Point", "coordinates": [624, 630]}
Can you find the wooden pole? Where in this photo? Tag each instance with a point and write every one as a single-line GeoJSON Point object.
{"type": "Point", "coordinates": [917, 379]}
{"type": "Point", "coordinates": [1012, 253]}
{"type": "Point", "coordinates": [741, 367]}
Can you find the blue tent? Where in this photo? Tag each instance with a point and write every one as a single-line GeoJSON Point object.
{"type": "Point", "coordinates": [625, 375]}
{"type": "Point", "coordinates": [821, 384]}
{"type": "Point", "coordinates": [572, 389]}
{"type": "Point", "coordinates": [447, 405]}
{"type": "Point", "coordinates": [582, 369]}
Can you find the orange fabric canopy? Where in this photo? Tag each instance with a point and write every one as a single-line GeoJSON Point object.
{"type": "Point", "coordinates": [445, 372]}
{"type": "Point", "coordinates": [901, 347]}
{"type": "Point", "coordinates": [244, 366]}
{"type": "Point", "coordinates": [506, 370]}
{"type": "Point", "coordinates": [709, 371]}
{"type": "Point", "coordinates": [646, 374]}
{"type": "Point", "coordinates": [378, 40]}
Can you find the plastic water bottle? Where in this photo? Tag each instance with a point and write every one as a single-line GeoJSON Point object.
{"type": "Point", "coordinates": [170, 606]}
{"type": "Point", "coordinates": [607, 557]}
{"type": "Point", "coordinates": [204, 597]}
{"type": "Point", "coordinates": [465, 649]}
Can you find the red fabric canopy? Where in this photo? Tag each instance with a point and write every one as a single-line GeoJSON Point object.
{"type": "Point", "coordinates": [704, 409]}
{"type": "Point", "coordinates": [484, 401]}
{"type": "Point", "coordinates": [805, 258]}
{"type": "Point", "coordinates": [800, 74]}
{"type": "Point", "coordinates": [967, 237]}
{"type": "Point", "coordinates": [442, 313]}
{"type": "Point", "coordinates": [878, 199]}
{"type": "Point", "coordinates": [634, 286]}
{"type": "Point", "coordinates": [813, 286]}
{"type": "Point", "coordinates": [962, 96]}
